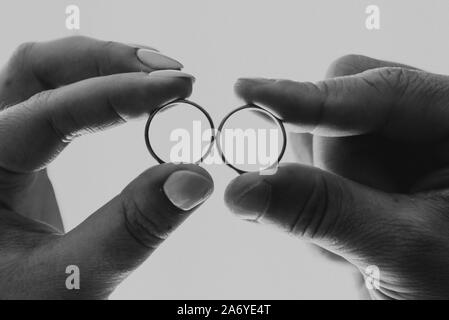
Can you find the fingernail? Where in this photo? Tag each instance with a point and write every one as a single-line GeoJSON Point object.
{"type": "Point", "coordinates": [254, 200]}
{"type": "Point", "coordinates": [140, 46]}
{"type": "Point", "coordinates": [187, 189]}
{"type": "Point", "coordinates": [157, 60]}
{"type": "Point", "coordinates": [172, 74]}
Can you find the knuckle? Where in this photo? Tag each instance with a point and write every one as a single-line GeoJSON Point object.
{"type": "Point", "coordinates": [108, 45]}
{"type": "Point", "coordinates": [414, 244]}
{"type": "Point", "coordinates": [141, 226]}
{"type": "Point", "coordinates": [40, 100]}
{"type": "Point", "coordinates": [104, 58]}
{"type": "Point", "coordinates": [285, 86]}
{"type": "Point", "coordinates": [345, 65]}
{"type": "Point", "coordinates": [52, 116]}
{"type": "Point", "coordinates": [79, 39]}
{"type": "Point", "coordinates": [410, 84]}
{"type": "Point", "coordinates": [98, 51]}
{"type": "Point", "coordinates": [396, 79]}
{"type": "Point", "coordinates": [24, 49]}
{"type": "Point", "coordinates": [18, 61]}
{"type": "Point", "coordinates": [113, 107]}
{"type": "Point", "coordinates": [42, 97]}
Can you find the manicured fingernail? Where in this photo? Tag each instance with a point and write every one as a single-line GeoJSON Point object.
{"type": "Point", "coordinates": [172, 74]}
{"type": "Point", "coordinates": [253, 201]}
{"type": "Point", "coordinates": [157, 60]}
{"type": "Point", "coordinates": [187, 189]}
{"type": "Point", "coordinates": [141, 46]}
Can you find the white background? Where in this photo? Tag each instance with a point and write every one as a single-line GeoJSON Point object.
{"type": "Point", "coordinates": [213, 255]}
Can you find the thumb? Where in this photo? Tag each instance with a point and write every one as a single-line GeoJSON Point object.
{"type": "Point", "coordinates": [121, 235]}
{"type": "Point", "coordinates": [354, 221]}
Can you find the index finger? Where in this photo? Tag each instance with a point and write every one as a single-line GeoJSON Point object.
{"type": "Point", "coordinates": [400, 103]}
{"type": "Point", "coordinates": [41, 66]}
{"type": "Point", "coordinates": [353, 63]}
{"type": "Point", "coordinates": [34, 132]}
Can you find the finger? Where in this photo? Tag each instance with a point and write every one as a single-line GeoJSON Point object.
{"type": "Point", "coordinates": [345, 66]}
{"type": "Point", "coordinates": [344, 217]}
{"type": "Point", "coordinates": [353, 64]}
{"type": "Point", "coordinates": [400, 103]}
{"type": "Point", "coordinates": [41, 66]}
{"type": "Point", "coordinates": [121, 235]}
{"type": "Point", "coordinates": [34, 132]}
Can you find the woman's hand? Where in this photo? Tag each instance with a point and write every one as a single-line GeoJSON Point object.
{"type": "Point", "coordinates": [51, 93]}
{"type": "Point", "coordinates": [380, 194]}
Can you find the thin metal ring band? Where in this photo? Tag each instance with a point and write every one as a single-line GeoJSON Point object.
{"type": "Point", "coordinates": [257, 108]}
{"type": "Point", "coordinates": [155, 112]}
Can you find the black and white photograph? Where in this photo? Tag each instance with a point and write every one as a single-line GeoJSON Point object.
{"type": "Point", "coordinates": [224, 156]}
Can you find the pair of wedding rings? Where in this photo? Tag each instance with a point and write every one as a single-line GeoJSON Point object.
{"type": "Point", "coordinates": [216, 136]}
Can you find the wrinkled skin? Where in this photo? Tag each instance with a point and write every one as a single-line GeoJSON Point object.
{"type": "Point", "coordinates": [376, 133]}
{"type": "Point", "coordinates": [49, 94]}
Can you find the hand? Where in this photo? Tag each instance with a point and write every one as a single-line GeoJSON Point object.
{"type": "Point", "coordinates": [380, 194]}
{"type": "Point", "coordinates": [50, 93]}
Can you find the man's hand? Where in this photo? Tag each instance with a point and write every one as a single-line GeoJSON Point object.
{"type": "Point", "coordinates": [50, 93]}
{"type": "Point", "coordinates": [381, 196]}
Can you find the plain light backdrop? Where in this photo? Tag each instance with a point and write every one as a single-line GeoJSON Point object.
{"type": "Point", "coordinates": [213, 255]}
